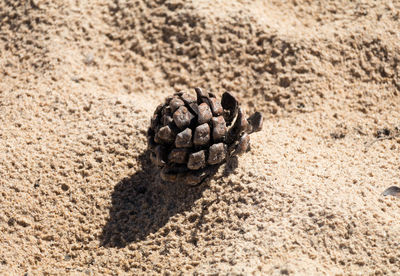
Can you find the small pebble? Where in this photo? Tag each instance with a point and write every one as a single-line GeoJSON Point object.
{"type": "Point", "coordinates": [393, 191]}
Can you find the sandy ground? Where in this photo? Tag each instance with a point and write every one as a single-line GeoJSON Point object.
{"type": "Point", "coordinates": [80, 79]}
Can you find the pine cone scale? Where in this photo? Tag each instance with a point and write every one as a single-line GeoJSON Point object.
{"type": "Point", "coordinates": [204, 114]}
{"type": "Point", "coordinates": [219, 128]}
{"type": "Point", "coordinates": [201, 135]}
{"type": "Point", "coordinates": [217, 153]}
{"type": "Point", "coordinates": [182, 117]}
{"type": "Point", "coordinates": [216, 107]}
{"type": "Point", "coordinates": [184, 139]}
{"type": "Point", "coordinates": [197, 160]}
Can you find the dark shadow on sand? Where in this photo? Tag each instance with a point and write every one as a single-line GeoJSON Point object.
{"type": "Point", "coordinates": [143, 203]}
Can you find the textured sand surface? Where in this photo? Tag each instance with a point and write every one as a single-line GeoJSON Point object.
{"type": "Point", "coordinates": [80, 79]}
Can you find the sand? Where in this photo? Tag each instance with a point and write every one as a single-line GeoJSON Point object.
{"type": "Point", "coordinates": [79, 81]}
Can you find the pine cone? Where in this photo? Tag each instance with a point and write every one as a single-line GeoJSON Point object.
{"type": "Point", "coordinates": [190, 136]}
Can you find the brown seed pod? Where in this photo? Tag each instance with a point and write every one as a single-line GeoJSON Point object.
{"type": "Point", "coordinates": [190, 136]}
